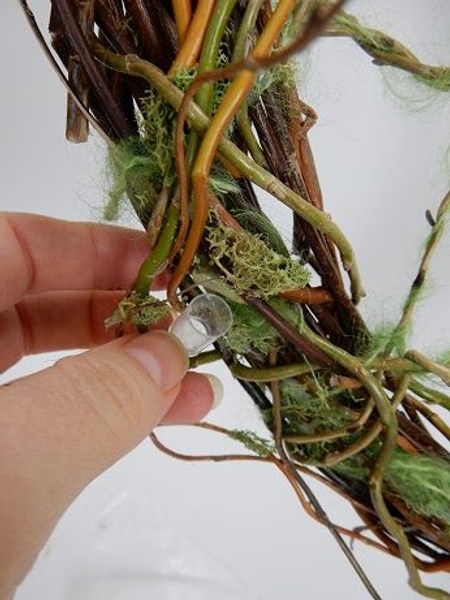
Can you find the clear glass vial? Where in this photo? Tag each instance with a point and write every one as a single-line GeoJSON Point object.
{"type": "Point", "coordinates": [205, 319]}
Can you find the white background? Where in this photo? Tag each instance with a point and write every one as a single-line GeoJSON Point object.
{"type": "Point", "coordinates": [150, 519]}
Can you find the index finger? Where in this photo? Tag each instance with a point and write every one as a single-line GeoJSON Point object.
{"type": "Point", "coordinates": [39, 254]}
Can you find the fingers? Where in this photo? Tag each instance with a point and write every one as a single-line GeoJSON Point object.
{"type": "Point", "coordinates": [57, 321]}
{"type": "Point", "coordinates": [63, 426]}
{"type": "Point", "coordinates": [42, 254]}
{"type": "Point", "coordinates": [194, 399]}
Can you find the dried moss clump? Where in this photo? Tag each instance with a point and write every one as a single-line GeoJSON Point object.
{"type": "Point", "coordinates": [249, 265]}
{"type": "Point", "coordinates": [139, 311]}
{"type": "Point", "coordinates": [253, 442]}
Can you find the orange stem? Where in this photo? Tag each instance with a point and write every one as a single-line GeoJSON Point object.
{"type": "Point", "coordinates": [194, 36]}
{"type": "Point", "coordinates": [236, 93]}
{"type": "Point", "coordinates": [182, 10]}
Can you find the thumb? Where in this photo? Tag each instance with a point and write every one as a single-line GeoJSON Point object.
{"type": "Point", "coordinates": [63, 426]}
{"type": "Point", "coordinates": [88, 410]}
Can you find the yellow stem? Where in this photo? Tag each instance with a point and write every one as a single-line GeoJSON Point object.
{"type": "Point", "coordinates": [236, 93]}
{"type": "Point", "coordinates": [193, 39]}
{"type": "Point", "coordinates": [183, 11]}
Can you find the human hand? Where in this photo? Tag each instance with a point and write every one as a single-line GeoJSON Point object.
{"type": "Point", "coordinates": [63, 426]}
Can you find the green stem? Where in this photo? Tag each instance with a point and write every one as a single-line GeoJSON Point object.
{"type": "Point", "coordinates": [208, 62]}
{"type": "Point", "coordinates": [398, 336]}
{"type": "Point", "coordinates": [154, 263]}
{"type": "Point", "coordinates": [429, 366]}
{"type": "Point", "coordinates": [269, 373]}
{"type": "Point", "coordinates": [211, 46]}
{"type": "Point", "coordinates": [244, 32]}
{"type": "Point", "coordinates": [204, 358]}
{"type": "Point", "coordinates": [430, 395]}
{"type": "Point", "coordinates": [245, 127]}
{"type": "Point", "coordinates": [385, 50]}
{"type": "Point", "coordinates": [246, 26]}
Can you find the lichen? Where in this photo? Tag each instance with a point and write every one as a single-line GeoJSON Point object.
{"type": "Point", "coordinates": [139, 311]}
{"type": "Point", "coordinates": [253, 442]}
{"type": "Point", "coordinates": [249, 265]}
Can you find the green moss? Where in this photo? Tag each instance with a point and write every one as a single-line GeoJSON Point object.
{"type": "Point", "coordinates": [184, 77]}
{"type": "Point", "coordinates": [444, 358]}
{"type": "Point", "coordinates": [253, 442]}
{"type": "Point", "coordinates": [250, 333]}
{"type": "Point", "coordinates": [356, 467]}
{"type": "Point", "coordinates": [369, 348]}
{"type": "Point", "coordinates": [279, 75]}
{"type": "Point", "coordinates": [422, 482]}
{"type": "Point", "coordinates": [312, 409]}
{"type": "Point", "coordinates": [257, 223]}
{"type": "Point", "coordinates": [312, 412]}
{"type": "Point", "coordinates": [132, 174]}
{"type": "Point", "coordinates": [419, 480]}
{"type": "Point", "coordinates": [221, 182]}
{"type": "Point", "coordinates": [157, 130]}
{"type": "Point", "coordinates": [133, 309]}
{"type": "Point", "coordinates": [249, 265]}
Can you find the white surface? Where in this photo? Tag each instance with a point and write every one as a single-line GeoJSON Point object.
{"type": "Point", "coordinates": [381, 166]}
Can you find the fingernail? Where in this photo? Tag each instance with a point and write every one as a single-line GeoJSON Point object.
{"type": "Point", "coordinates": [162, 356]}
{"type": "Point", "coordinates": [217, 388]}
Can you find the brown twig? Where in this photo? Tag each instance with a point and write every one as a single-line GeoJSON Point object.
{"type": "Point", "coordinates": [79, 45]}
{"type": "Point", "coordinates": [77, 125]}
{"type": "Point", "coordinates": [289, 333]}
{"type": "Point", "coordinates": [57, 69]}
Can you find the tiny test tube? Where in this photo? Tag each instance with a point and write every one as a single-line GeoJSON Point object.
{"type": "Point", "coordinates": [206, 318]}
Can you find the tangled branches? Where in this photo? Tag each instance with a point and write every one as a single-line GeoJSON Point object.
{"type": "Point", "coordinates": [199, 107]}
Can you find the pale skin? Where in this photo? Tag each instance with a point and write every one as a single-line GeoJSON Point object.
{"type": "Point", "coordinates": [63, 426]}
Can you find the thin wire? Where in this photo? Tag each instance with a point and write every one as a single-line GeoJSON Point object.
{"type": "Point", "coordinates": [323, 518]}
